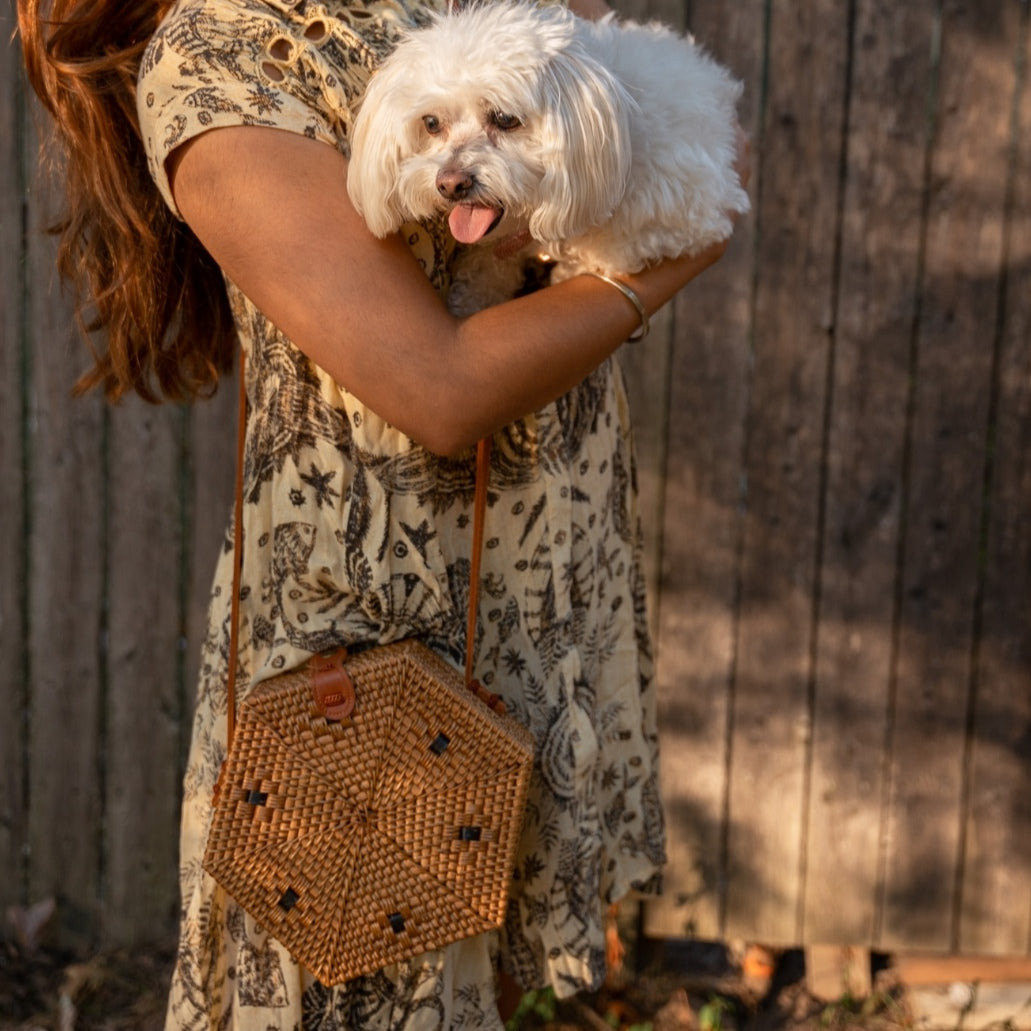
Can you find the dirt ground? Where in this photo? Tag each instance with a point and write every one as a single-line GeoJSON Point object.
{"type": "Point", "coordinates": [690, 986]}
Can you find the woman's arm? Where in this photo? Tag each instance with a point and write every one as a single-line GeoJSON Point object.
{"type": "Point", "coordinates": [272, 208]}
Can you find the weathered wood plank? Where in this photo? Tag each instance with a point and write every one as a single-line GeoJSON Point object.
{"type": "Point", "coordinates": [880, 268]}
{"type": "Point", "coordinates": [13, 571]}
{"type": "Point", "coordinates": [914, 968]}
{"type": "Point", "coordinates": [646, 369]}
{"type": "Point", "coordinates": [708, 388]}
{"type": "Point", "coordinates": [212, 456]}
{"type": "Point", "coordinates": [66, 598]}
{"type": "Point", "coordinates": [997, 873]}
{"type": "Point", "coordinates": [797, 234]}
{"type": "Point", "coordinates": [143, 703]}
{"type": "Point", "coordinates": [946, 477]}
{"type": "Point", "coordinates": [836, 971]}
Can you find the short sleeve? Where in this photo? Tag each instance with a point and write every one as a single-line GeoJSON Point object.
{"type": "Point", "coordinates": [217, 63]}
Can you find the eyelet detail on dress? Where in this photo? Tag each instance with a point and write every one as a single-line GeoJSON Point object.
{"type": "Point", "coordinates": [280, 57]}
{"type": "Point", "coordinates": [317, 31]}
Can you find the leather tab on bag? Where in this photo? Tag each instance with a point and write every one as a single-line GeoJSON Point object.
{"type": "Point", "coordinates": [492, 701]}
{"type": "Point", "coordinates": [331, 687]}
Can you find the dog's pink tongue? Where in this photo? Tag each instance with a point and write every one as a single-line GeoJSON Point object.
{"type": "Point", "coordinates": [470, 222]}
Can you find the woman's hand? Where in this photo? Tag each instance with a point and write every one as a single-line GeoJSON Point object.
{"type": "Point", "coordinates": [272, 209]}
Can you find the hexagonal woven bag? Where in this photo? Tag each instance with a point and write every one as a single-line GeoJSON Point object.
{"type": "Point", "coordinates": [360, 841]}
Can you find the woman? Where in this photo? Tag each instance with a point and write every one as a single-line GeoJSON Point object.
{"type": "Point", "coordinates": [365, 398]}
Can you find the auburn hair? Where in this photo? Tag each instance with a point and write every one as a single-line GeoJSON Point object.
{"type": "Point", "coordinates": [150, 301]}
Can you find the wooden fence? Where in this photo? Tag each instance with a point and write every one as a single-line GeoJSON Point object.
{"type": "Point", "coordinates": [831, 428]}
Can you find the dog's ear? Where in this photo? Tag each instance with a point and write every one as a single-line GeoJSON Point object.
{"type": "Point", "coordinates": [379, 139]}
{"type": "Point", "coordinates": [586, 126]}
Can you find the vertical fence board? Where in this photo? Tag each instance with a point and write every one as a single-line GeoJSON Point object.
{"type": "Point", "coordinates": [143, 699]}
{"type": "Point", "coordinates": [709, 383]}
{"type": "Point", "coordinates": [646, 368]}
{"type": "Point", "coordinates": [880, 267]}
{"type": "Point", "coordinates": [66, 595]}
{"type": "Point", "coordinates": [797, 226]}
{"type": "Point", "coordinates": [212, 451]}
{"type": "Point", "coordinates": [946, 470]}
{"type": "Point", "coordinates": [996, 875]}
{"type": "Point", "coordinates": [12, 528]}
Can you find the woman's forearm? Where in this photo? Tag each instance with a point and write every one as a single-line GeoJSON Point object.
{"type": "Point", "coordinates": [272, 209]}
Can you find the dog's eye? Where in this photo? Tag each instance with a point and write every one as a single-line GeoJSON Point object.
{"type": "Point", "coordinates": [505, 122]}
{"type": "Point", "coordinates": [432, 123]}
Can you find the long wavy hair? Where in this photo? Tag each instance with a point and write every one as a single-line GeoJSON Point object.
{"type": "Point", "coordinates": [150, 301]}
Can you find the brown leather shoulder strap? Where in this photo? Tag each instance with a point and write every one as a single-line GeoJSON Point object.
{"type": "Point", "coordinates": [234, 605]}
{"type": "Point", "coordinates": [479, 510]}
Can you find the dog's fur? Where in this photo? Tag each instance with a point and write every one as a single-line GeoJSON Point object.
{"type": "Point", "coordinates": [608, 145]}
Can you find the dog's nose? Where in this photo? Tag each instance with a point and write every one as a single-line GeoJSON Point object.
{"type": "Point", "coordinates": [453, 185]}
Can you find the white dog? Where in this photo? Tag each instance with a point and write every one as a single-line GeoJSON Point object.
{"type": "Point", "coordinates": [606, 145]}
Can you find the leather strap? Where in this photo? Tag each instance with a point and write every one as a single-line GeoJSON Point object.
{"type": "Point", "coordinates": [234, 605]}
{"type": "Point", "coordinates": [479, 512]}
{"type": "Point", "coordinates": [479, 508]}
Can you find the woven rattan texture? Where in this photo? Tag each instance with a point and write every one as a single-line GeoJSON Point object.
{"type": "Point", "coordinates": [384, 835]}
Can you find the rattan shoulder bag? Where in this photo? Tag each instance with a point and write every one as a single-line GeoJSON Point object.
{"type": "Point", "coordinates": [370, 804]}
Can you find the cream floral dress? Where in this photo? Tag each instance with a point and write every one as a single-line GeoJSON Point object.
{"type": "Point", "coordinates": [353, 533]}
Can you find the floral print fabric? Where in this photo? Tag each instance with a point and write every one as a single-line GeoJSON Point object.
{"type": "Point", "coordinates": [353, 533]}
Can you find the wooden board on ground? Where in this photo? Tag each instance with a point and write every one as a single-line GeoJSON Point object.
{"type": "Point", "coordinates": [916, 968]}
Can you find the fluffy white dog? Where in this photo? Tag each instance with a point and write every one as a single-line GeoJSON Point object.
{"type": "Point", "coordinates": [606, 145]}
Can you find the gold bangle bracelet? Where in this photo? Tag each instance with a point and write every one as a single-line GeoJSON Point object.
{"type": "Point", "coordinates": [632, 297]}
